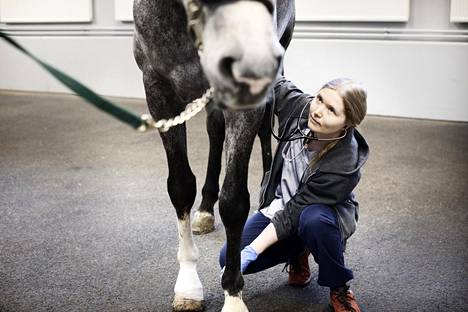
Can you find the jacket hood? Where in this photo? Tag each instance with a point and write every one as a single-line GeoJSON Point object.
{"type": "Point", "coordinates": [348, 156]}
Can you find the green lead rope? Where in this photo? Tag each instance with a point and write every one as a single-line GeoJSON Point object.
{"type": "Point", "coordinates": [89, 95]}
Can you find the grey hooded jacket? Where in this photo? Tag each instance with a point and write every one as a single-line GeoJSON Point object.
{"type": "Point", "coordinates": [330, 181]}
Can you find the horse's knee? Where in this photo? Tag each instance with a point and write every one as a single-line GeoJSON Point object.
{"type": "Point", "coordinates": [315, 220]}
{"type": "Point", "coordinates": [234, 208]}
{"type": "Point", "coordinates": [182, 192]}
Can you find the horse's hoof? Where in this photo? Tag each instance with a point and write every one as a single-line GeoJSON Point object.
{"type": "Point", "coordinates": [234, 303]}
{"type": "Point", "coordinates": [203, 223]}
{"type": "Point", "coordinates": [181, 304]}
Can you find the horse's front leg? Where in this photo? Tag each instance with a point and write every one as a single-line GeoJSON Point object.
{"type": "Point", "coordinates": [234, 203]}
{"type": "Point", "coordinates": [181, 186]}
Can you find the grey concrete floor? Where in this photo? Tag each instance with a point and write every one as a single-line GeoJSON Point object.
{"type": "Point", "coordinates": [86, 223]}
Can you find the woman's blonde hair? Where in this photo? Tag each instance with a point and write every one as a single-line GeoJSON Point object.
{"type": "Point", "coordinates": [354, 98]}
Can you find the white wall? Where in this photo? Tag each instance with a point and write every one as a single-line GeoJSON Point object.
{"type": "Point", "coordinates": [98, 53]}
{"type": "Point", "coordinates": [403, 78]}
{"type": "Point", "coordinates": [104, 63]}
{"type": "Point", "coordinates": [353, 10]}
{"type": "Point", "coordinates": [45, 11]}
{"type": "Point", "coordinates": [416, 69]}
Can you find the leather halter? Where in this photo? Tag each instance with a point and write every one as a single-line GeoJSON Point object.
{"type": "Point", "coordinates": [195, 18]}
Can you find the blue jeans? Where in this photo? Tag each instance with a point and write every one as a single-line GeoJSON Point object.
{"type": "Point", "coordinates": [318, 231]}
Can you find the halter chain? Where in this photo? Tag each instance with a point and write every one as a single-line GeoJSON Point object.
{"type": "Point", "coordinates": [195, 28]}
{"type": "Point", "coordinates": [191, 110]}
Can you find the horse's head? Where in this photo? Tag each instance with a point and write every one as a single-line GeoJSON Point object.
{"type": "Point", "coordinates": [241, 53]}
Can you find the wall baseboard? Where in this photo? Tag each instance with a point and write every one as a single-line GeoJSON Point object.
{"type": "Point", "coordinates": [302, 31]}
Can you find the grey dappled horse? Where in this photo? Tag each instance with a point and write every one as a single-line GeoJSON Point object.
{"type": "Point", "coordinates": [243, 43]}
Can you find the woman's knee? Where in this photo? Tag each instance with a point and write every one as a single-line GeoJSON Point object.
{"type": "Point", "coordinates": [317, 219]}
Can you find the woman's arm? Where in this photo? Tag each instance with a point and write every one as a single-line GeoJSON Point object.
{"type": "Point", "coordinates": [287, 98]}
{"type": "Point", "coordinates": [250, 252]}
{"type": "Point", "coordinates": [267, 238]}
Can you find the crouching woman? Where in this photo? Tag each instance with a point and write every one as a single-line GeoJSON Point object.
{"type": "Point", "coordinates": [306, 200]}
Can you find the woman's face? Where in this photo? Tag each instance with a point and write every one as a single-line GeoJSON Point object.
{"type": "Point", "coordinates": [326, 115]}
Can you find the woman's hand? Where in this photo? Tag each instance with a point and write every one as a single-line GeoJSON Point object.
{"type": "Point", "coordinates": [248, 254]}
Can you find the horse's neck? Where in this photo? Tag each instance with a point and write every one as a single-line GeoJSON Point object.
{"type": "Point", "coordinates": [161, 28]}
{"type": "Point", "coordinates": [160, 18]}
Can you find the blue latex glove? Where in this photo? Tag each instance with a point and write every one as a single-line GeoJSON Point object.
{"type": "Point", "coordinates": [248, 254]}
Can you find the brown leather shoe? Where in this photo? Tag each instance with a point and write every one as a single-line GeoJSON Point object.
{"type": "Point", "coordinates": [299, 271]}
{"type": "Point", "coordinates": [343, 300]}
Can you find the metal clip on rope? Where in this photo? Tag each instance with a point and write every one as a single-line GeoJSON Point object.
{"type": "Point", "coordinates": [191, 110]}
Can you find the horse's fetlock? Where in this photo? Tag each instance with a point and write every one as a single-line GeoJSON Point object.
{"type": "Point", "coordinates": [188, 255]}
{"type": "Point", "coordinates": [187, 251]}
{"type": "Point", "coordinates": [232, 282]}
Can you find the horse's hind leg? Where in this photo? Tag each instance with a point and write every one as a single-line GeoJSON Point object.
{"type": "Point", "coordinates": [203, 221]}
{"type": "Point", "coordinates": [234, 202]}
{"type": "Point", "coordinates": [181, 187]}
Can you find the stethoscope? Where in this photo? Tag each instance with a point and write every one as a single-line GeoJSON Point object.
{"type": "Point", "coordinates": [299, 133]}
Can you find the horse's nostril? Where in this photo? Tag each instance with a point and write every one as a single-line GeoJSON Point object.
{"type": "Point", "coordinates": [225, 66]}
